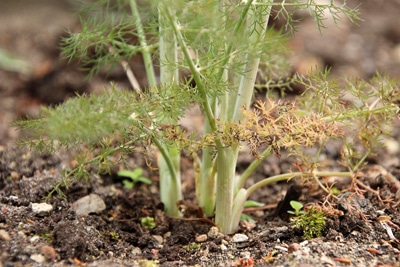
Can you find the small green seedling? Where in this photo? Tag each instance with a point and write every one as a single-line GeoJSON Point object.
{"type": "Point", "coordinates": [47, 236]}
{"type": "Point", "coordinates": [335, 191]}
{"type": "Point", "coordinates": [114, 235]}
{"type": "Point", "coordinates": [192, 246]}
{"type": "Point", "coordinates": [297, 206]}
{"type": "Point", "coordinates": [147, 222]}
{"type": "Point", "coordinates": [135, 176]}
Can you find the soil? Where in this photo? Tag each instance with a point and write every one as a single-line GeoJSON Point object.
{"type": "Point", "coordinates": [363, 228]}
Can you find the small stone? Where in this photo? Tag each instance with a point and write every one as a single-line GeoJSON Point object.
{"type": "Point", "coordinates": [238, 238]}
{"type": "Point", "coordinates": [167, 234]}
{"type": "Point", "coordinates": [38, 258]}
{"type": "Point", "coordinates": [245, 254]}
{"type": "Point", "coordinates": [4, 236]}
{"type": "Point", "coordinates": [281, 248]}
{"type": "Point", "coordinates": [136, 251]}
{"type": "Point", "coordinates": [110, 254]}
{"type": "Point", "coordinates": [223, 247]}
{"type": "Point", "coordinates": [293, 247]}
{"type": "Point", "coordinates": [34, 239]}
{"type": "Point", "coordinates": [159, 239]}
{"type": "Point", "coordinates": [89, 204]}
{"type": "Point", "coordinates": [213, 232]}
{"type": "Point", "coordinates": [14, 175]}
{"type": "Point", "coordinates": [49, 252]}
{"type": "Point", "coordinates": [201, 238]}
{"type": "Point", "coordinates": [247, 226]}
{"type": "Point", "coordinates": [41, 209]}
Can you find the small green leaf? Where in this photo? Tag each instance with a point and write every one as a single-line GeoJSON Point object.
{"type": "Point", "coordinates": [131, 174]}
{"type": "Point", "coordinates": [127, 184]}
{"type": "Point", "coordinates": [135, 176]}
{"type": "Point", "coordinates": [296, 205]}
{"type": "Point", "coordinates": [252, 203]}
{"type": "Point", "coordinates": [144, 180]}
{"type": "Point", "coordinates": [247, 218]}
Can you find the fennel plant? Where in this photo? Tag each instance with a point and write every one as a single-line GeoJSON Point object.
{"type": "Point", "coordinates": [220, 46]}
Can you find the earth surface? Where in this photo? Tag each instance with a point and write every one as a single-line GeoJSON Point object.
{"type": "Point", "coordinates": [99, 224]}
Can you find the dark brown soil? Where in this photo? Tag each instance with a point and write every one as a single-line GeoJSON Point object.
{"type": "Point", "coordinates": [114, 236]}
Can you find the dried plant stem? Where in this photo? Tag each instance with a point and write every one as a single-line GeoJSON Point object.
{"type": "Point", "coordinates": [129, 73]}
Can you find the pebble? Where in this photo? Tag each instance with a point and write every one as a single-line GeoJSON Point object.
{"type": "Point", "coordinates": [159, 239]}
{"type": "Point", "coordinates": [245, 254]}
{"type": "Point", "coordinates": [224, 244]}
{"type": "Point", "coordinates": [167, 234]}
{"type": "Point", "coordinates": [34, 239]}
{"type": "Point", "coordinates": [201, 238]}
{"type": "Point", "coordinates": [4, 235]}
{"type": "Point", "coordinates": [89, 204]}
{"type": "Point", "coordinates": [238, 238]}
{"type": "Point", "coordinates": [136, 251]}
{"type": "Point", "coordinates": [38, 258]}
{"type": "Point", "coordinates": [14, 175]}
{"type": "Point", "coordinates": [293, 247]}
{"type": "Point", "coordinates": [49, 252]}
{"type": "Point", "coordinates": [213, 232]}
{"type": "Point", "coordinates": [41, 209]}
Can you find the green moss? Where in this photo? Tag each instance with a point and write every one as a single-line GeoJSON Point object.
{"type": "Point", "coordinates": [312, 222]}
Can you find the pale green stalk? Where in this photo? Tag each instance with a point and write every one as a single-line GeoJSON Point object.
{"type": "Point", "coordinates": [227, 157]}
{"type": "Point", "coordinates": [246, 87]}
{"type": "Point", "coordinates": [207, 184]}
{"type": "Point", "coordinates": [207, 192]}
{"type": "Point", "coordinates": [206, 187]}
{"type": "Point", "coordinates": [225, 193]}
{"type": "Point", "coordinates": [169, 159]}
{"type": "Point", "coordinates": [206, 177]}
{"type": "Point", "coordinates": [170, 178]}
{"type": "Point", "coordinates": [170, 181]}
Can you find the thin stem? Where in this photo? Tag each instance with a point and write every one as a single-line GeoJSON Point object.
{"type": "Point", "coordinates": [129, 73]}
{"type": "Point", "coordinates": [164, 152]}
{"type": "Point", "coordinates": [148, 63]}
{"type": "Point", "coordinates": [352, 114]}
{"type": "Point", "coordinates": [236, 30]}
{"type": "Point", "coordinates": [288, 176]}
{"type": "Point", "coordinates": [320, 184]}
{"type": "Point", "coordinates": [361, 160]}
{"type": "Point", "coordinates": [253, 166]}
{"type": "Point", "coordinates": [57, 187]}
{"type": "Point", "coordinates": [193, 69]}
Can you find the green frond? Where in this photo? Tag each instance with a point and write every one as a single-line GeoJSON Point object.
{"type": "Point", "coordinates": [89, 119]}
